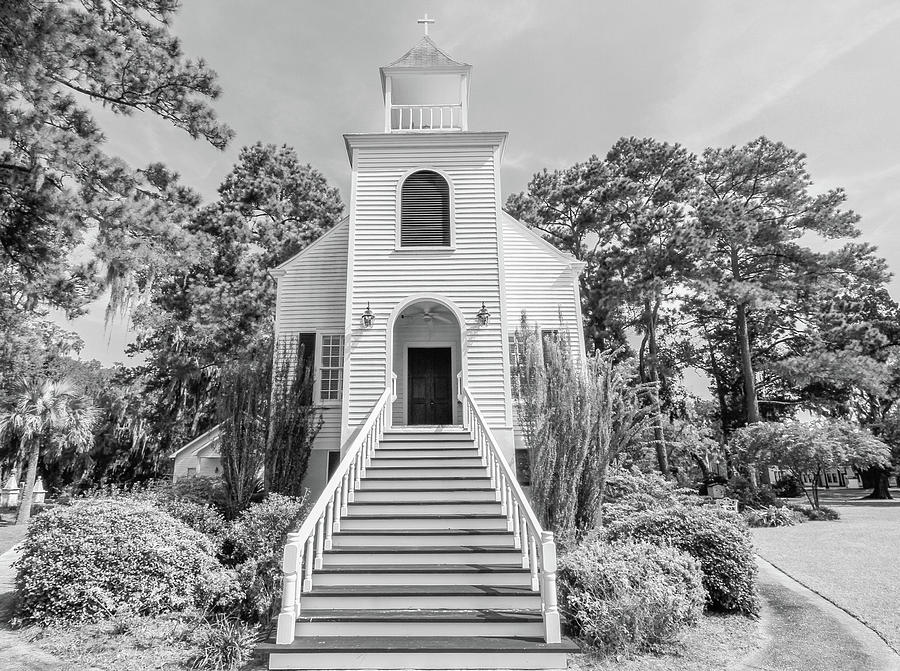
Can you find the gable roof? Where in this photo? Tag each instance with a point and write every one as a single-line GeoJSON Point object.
{"type": "Point", "coordinates": [200, 442]}
{"type": "Point", "coordinates": [542, 242]}
{"type": "Point", "coordinates": [279, 269]}
{"type": "Point", "coordinates": [425, 54]}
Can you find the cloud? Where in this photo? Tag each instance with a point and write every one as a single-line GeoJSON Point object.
{"type": "Point", "coordinates": [734, 78]}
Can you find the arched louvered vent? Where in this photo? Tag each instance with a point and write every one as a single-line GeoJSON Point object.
{"type": "Point", "coordinates": [425, 210]}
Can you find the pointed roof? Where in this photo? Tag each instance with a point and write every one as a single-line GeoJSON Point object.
{"type": "Point", "coordinates": [425, 54]}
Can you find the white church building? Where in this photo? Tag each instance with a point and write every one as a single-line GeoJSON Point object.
{"type": "Point", "coordinates": [421, 550]}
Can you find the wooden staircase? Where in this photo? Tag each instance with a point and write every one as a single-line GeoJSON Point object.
{"type": "Point", "coordinates": [424, 568]}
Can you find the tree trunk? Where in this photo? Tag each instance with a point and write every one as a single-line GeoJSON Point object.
{"type": "Point", "coordinates": [751, 403]}
{"type": "Point", "coordinates": [882, 483]}
{"type": "Point", "coordinates": [28, 495]}
{"type": "Point", "coordinates": [659, 439]}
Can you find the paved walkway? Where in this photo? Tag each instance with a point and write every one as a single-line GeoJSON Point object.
{"type": "Point", "coordinates": [802, 631]}
{"type": "Point", "coordinates": [16, 653]}
{"type": "Point", "coordinates": [7, 583]}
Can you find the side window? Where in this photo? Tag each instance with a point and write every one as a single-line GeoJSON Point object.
{"type": "Point", "coordinates": [334, 460]}
{"type": "Point", "coordinates": [331, 368]}
{"type": "Point", "coordinates": [425, 210]}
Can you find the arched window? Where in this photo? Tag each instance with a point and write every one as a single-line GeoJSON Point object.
{"type": "Point", "coordinates": [425, 210]}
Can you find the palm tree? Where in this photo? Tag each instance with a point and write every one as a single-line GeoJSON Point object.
{"type": "Point", "coordinates": [46, 414]}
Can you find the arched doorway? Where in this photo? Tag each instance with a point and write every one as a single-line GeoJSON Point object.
{"type": "Point", "coordinates": [426, 358]}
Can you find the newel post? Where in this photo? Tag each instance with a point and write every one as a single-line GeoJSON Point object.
{"type": "Point", "coordinates": [548, 588]}
{"type": "Point", "coordinates": [287, 618]}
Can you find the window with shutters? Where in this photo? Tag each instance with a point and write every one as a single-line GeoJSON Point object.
{"type": "Point", "coordinates": [425, 210]}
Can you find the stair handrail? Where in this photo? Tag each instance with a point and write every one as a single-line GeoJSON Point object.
{"type": "Point", "coordinates": [537, 545]}
{"type": "Point", "coordinates": [304, 547]}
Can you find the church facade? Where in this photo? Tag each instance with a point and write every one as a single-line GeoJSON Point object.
{"type": "Point", "coordinates": [419, 289]}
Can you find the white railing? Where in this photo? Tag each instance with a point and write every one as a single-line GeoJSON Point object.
{"type": "Point", "coordinates": [303, 550]}
{"type": "Point", "coordinates": [537, 545]}
{"type": "Point", "coordinates": [426, 117]}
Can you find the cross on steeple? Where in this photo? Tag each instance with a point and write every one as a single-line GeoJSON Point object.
{"type": "Point", "coordinates": [425, 21]}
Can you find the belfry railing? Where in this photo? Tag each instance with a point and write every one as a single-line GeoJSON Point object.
{"type": "Point", "coordinates": [426, 117]}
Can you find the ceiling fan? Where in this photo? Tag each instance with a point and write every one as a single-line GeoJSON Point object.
{"type": "Point", "coordinates": [429, 314]}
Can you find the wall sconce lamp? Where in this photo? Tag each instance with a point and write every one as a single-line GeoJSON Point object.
{"type": "Point", "coordinates": [484, 317]}
{"type": "Point", "coordinates": [368, 317]}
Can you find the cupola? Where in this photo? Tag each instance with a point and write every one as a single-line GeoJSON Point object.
{"type": "Point", "coordinates": [425, 90]}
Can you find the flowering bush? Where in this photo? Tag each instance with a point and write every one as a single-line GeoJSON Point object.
{"type": "Point", "coordinates": [95, 557]}
{"type": "Point", "coordinates": [718, 539]}
{"type": "Point", "coordinates": [629, 597]}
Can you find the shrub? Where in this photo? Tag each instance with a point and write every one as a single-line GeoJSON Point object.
{"type": "Point", "coordinates": [253, 544]}
{"type": "Point", "coordinates": [788, 487]}
{"type": "Point", "coordinates": [200, 517]}
{"type": "Point", "coordinates": [224, 645]}
{"type": "Point", "coordinates": [629, 597]}
{"type": "Point", "coordinates": [95, 557]}
{"type": "Point", "coordinates": [823, 514]}
{"type": "Point", "coordinates": [719, 540]}
{"type": "Point", "coordinates": [262, 528]}
{"type": "Point", "coordinates": [198, 489]}
{"type": "Point", "coordinates": [631, 491]}
{"type": "Point", "coordinates": [771, 517]}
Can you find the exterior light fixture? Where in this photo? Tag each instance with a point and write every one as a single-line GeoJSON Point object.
{"type": "Point", "coordinates": [368, 317]}
{"type": "Point", "coordinates": [484, 317]}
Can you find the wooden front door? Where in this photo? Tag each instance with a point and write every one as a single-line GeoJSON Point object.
{"type": "Point", "coordinates": [430, 385]}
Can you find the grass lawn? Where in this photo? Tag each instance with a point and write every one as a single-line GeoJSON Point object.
{"type": "Point", "coordinates": [852, 562]}
{"type": "Point", "coordinates": [133, 643]}
{"type": "Point", "coordinates": [717, 642]}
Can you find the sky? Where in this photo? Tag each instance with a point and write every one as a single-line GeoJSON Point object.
{"type": "Point", "coordinates": [566, 79]}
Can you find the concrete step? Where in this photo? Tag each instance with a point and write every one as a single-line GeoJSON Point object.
{"type": "Point", "coordinates": [438, 556]}
{"type": "Point", "coordinates": [377, 482]}
{"type": "Point", "coordinates": [431, 622]}
{"type": "Point", "coordinates": [420, 652]}
{"type": "Point", "coordinates": [491, 575]}
{"type": "Point", "coordinates": [449, 435]}
{"type": "Point", "coordinates": [404, 597]}
{"type": "Point", "coordinates": [380, 461]}
{"type": "Point", "coordinates": [420, 452]}
{"type": "Point", "coordinates": [424, 495]}
{"type": "Point", "coordinates": [394, 537]}
{"type": "Point", "coordinates": [416, 472]}
{"type": "Point", "coordinates": [415, 521]}
{"type": "Point", "coordinates": [424, 508]}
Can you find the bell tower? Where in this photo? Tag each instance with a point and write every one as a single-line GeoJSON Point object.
{"type": "Point", "coordinates": [425, 90]}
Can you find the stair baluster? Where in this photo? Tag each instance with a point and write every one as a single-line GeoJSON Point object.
{"type": "Point", "coordinates": [538, 546]}
{"type": "Point", "coordinates": [304, 549]}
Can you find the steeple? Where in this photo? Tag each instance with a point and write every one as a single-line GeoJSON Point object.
{"type": "Point", "coordinates": [425, 90]}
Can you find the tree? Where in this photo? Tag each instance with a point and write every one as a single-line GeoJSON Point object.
{"type": "Point", "coordinates": [46, 415]}
{"type": "Point", "coordinates": [625, 217]}
{"type": "Point", "coordinates": [576, 420]}
{"type": "Point", "coordinates": [810, 448]}
{"type": "Point", "coordinates": [294, 420]}
{"type": "Point", "coordinates": [756, 206]}
{"type": "Point", "coordinates": [56, 183]}
{"type": "Point", "coordinates": [267, 422]}
{"type": "Point", "coordinates": [218, 307]}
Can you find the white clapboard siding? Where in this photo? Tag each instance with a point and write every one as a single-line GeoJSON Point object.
{"type": "Point", "coordinates": [468, 274]}
{"type": "Point", "coordinates": [312, 297]}
{"type": "Point", "coordinates": [541, 281]}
